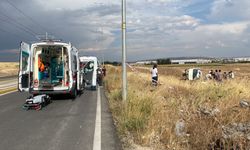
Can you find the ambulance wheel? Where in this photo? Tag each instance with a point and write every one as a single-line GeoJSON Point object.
{"type": "Point", "coordinates": [74, 94]}
{"type": "Point", "coordinates": [80, 92]}
{"type": "Point", "coordinates": [93, 88]}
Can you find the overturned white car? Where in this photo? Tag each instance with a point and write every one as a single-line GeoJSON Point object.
{"type": "Point", "coordinates": [192, 74]}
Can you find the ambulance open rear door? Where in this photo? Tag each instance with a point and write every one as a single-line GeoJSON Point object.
{"type": "Point", "coordinates": [24, 67]}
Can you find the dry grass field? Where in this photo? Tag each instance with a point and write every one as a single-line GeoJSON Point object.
{"type": "Point", "coordinates": [8, 68]}
{"type": "Point", "coordinates": [181, 114]}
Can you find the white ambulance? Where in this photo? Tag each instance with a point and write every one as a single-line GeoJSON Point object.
{"type": "Point", "coordinates": [90, 65]}
{"type": "Point", "coordinates": [49, 67]}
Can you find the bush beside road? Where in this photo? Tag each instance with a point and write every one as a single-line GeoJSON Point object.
{"type": "Point", "coordinates": [8, 69]}
{"type": "Point", "coordinates": [8, 76]}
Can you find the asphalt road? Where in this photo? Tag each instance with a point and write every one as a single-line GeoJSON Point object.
{"type": "Point", "coordinates": [65, 124]}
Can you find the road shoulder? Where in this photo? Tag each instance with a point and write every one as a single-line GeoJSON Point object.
{"type": "Point", "coordinates": [110, 139]}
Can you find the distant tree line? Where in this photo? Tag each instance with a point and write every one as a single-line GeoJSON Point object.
{"type": "Point", "coordinates": [163, 61]}
{"type": "Point", "coordinates": [114, 63]}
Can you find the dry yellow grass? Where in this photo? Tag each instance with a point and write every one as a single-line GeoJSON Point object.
{"type": "Point", "coordinates": [8, 68]}
{"type": "Point", "coordinates": [150, 115]}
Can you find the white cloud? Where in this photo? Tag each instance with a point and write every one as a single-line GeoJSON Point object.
{"type": "Point", "coordinates": [155, 28]}
{"type": "Point", "coordinates": [230, 10]}
{"type": "Point", "coordinates": [73, 5]}
{"type": "Point", "coordinates": [162, 23]}
{"type": "Point", "coordinates": [226, 28]}
{"type": "Point", "coordinates": [203, 40]}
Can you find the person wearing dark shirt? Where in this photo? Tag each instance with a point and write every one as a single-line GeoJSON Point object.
{"type": "Point", "coordinates": [104, 71]}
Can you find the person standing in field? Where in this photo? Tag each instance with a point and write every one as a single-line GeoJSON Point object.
{"type": "Point", "coordinates": [219, 76]}
{"type": "Point", "coordinates": [216, 75]}
{"type": "Point", "coordinates": [225, 76]}
{"type": "Point", "coordinates": [212, 74]}
{"type": "Point", "coordinates": [154, 74]}
{"type": "Point", "coordinates": [104, 71]}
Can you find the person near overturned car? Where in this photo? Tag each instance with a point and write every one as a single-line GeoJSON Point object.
{"type": "Point", "coordinates": [219, 78]}
{"type": "Point", "coordinates": [154, 74]}
{"type": "Point", "coordinates": [99, 76]}
{"type": "Point", "coordinates": [104, 71]}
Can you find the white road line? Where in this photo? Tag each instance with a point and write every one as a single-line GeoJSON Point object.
{"type": "Point", "coordinates": [97, 135]}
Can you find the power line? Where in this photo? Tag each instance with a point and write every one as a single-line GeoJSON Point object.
{"type": "Point", "coordinates": [19, 25]}
{"type": "Point", "coordinates": [30, 18]}
{"type": "Point", "coordinates": [10, 33]}
{"type": "Point", "coordinates": [8, 30]}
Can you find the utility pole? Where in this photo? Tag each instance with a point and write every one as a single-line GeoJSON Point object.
{"type": "Point", "coordinates": [46, 36]}
{"type": "Point", "coordinates": [124, 72]}
{"type": "Point", "coordinates": [103, 50]}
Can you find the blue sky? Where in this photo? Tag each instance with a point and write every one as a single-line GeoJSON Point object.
{"type": "Point", "coordinates": [155, 28]}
